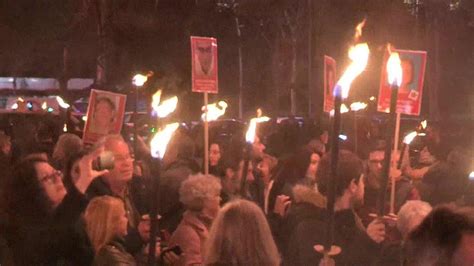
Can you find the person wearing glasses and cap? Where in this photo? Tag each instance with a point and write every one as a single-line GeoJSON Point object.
{"type": "Point", "coordinates": [44, 217]}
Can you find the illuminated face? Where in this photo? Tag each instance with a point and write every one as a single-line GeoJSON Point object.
{"type": "Point", "coordinates": [51, 182]}
{"type": "Point", "coordinates": [264, 170]}
{"type": "Point", "coordinates": [313, 166]}
{"type": "Point", "coordinates": [123, 162]}
{"type": "Point", "coordinates": [375, 168]}
{"type": "Point", "coordinates": [122, 222]}
{"type": "Point", "coordinates": [214, 154]}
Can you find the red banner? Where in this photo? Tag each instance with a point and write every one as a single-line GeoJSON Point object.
{"type": "Point", "coordinates": [329, 83]}
{"type": "Point", "coordinates": [104, 115]}
{"type": "Point", "coordinates": [204, 64]}
{"type": "Point", "coordinates": [411, 89]}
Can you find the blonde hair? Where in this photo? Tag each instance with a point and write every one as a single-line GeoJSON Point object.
{"type": "Point", "coordinates": [196, 189]}
{"type": "Point", "coordinates": [240, 235]}
{"type": "Point", "coordinates": [101, 218]}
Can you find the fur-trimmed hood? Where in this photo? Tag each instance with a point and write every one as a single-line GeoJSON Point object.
{"type": "Point", "coordinates": [305, 194]}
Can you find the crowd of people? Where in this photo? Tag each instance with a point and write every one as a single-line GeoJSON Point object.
{"type": "Point", "coordinates": [58, 208]}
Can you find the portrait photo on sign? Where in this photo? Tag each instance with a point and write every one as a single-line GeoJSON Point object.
{"type": "Point", "coordinates": [104, 115]}
{"type": "Point", "coordinates": [204, 64]}
{"type": "Point", "coordinates": [204, 59]}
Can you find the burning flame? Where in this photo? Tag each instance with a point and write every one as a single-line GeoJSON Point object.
{"type": "Point", "coordinates": [64, 127]}
{"type": "Point", "coordinates": [62, 103]}
{"type": "Point", "coordinates": [357, 106]}
{"type": "Point", "coordinates": [214, 111]}
{"type": "Point", "coordinates": [410, 137]}
{"type": "Point", "coordinates": [167, 107]}
{"type": "Point", "coordinates": [344, 109]}
{"type": "Point", "coordinates": [163, 109]}
{"type": "Point", "coordinates": [424, 124]}
{"type": "Point", "coordinates": [161, 139]}
{"type": "Point", "coordinates": [155, 100]}
{"type": "Point", "coordinates": [359, 55]}
{"type": "Point", "coordinates": [359, 28]}
{"type": "Point", "coordinates": [139, 79]}
{"type": "Point", "coordinates": [250, 135]}
{"type": "Point", "coordinates": [44, 106]}
{"type": "Point", "coordinates": [394, 69]}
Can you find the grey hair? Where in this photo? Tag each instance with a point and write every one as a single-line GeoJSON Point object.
{"type": "Point", "coordinates": [196, 188]}
{"type": "Point", "coordinates": [411, 210]}
{"type": "Point", "coordinates": [105, 140]}
{"type": "Point", "coordinates": [67, 144]}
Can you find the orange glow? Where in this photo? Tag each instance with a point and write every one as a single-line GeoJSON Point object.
{"type": "Point", "coordinates": [250, 135]}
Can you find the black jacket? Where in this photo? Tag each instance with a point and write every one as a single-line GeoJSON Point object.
{"type": "Point", "coordinates": [357, 247]}
{"type": "Point", "coordinates": [57, 240]}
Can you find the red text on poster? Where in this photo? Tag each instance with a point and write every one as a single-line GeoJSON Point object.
{"type": "Point", "coordinates": [204, 64]}
{"type": "Point", "coordinates": [329, 83]}
{"type": "Point", "coordinates": [411, 89]}
{"type": "Point", "coordinates": [104, 115]}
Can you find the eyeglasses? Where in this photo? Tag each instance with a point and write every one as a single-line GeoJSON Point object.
{"type": "Point", "coordinates": [52, 178]}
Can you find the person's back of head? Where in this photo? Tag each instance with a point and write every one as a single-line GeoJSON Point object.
{"type": "Point", "coordinates": [411, 214]}
{"type": "Point", "coordinates": [443, 238]}
{"type": "Point", "coordinates": [101, 218]}
{"type": "Point", "coordinates": [240, 235]}
{"type": "Point", "coordinates": [68, 144]}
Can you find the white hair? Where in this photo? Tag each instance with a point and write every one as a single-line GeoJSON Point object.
{"type": "Point", "coordinates": [413, 211]}
{"type": "Point", "coordinates": [107, 139]}
{"type": "Point", "coordinates": [196, 188]}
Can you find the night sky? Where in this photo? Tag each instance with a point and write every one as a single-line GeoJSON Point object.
{"type": "Point", "coordinates": [154, 35]}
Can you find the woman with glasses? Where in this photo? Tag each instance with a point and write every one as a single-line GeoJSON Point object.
{"type": "Point", "coordinates": [44, 218]}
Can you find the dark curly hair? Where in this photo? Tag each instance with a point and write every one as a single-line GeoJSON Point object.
{"type": "Point", "coordinates": [26, 201]}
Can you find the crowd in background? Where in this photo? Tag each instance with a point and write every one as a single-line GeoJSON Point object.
{"type": "Point", "coordinates": [58, 209]}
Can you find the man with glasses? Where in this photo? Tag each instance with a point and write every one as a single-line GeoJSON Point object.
{"type": "Point", "coordinates": [119, 182]}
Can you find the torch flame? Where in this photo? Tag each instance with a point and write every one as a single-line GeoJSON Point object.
{"type": "Point", "coordinates": [344, 109]}
{"type": "Point", "coordinates": [359, 55]}
{"type": "Point", "coordinates": [359, 28]}
{"type": "Point", "coordinates": [161, 139]}
{"type": "Point", "coordinates": [214, 110]}
{"type": "Point", "coordinates": [139, 79]}
{"type": "Point", "coordinates": [62, 103]}
{"type": "Point", "coordinates": [394, 69]}
{"type": "Point", "coordinates": [167, 107]}
{"type": "Point", "coordinates": [410, 137]}
{"type": "Point", "coordinates": [155, 102]}
{"type": "Point", "coordinates": [424, 124]}
{"type": "Point", "coordinates": [250, 135]}
{"type": "Point", "coordinates": [357, 106]}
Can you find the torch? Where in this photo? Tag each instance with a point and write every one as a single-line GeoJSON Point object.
{"type": "Point", "coordinates": [249, 140]}
{"type": "Point", "coordinates": [359, 55]}
{"type": "Point", "coordinates": [394, 71]}
{"type": "Point", "coordinates": [65, 106]}
{"type": "Point", "coordinates": [158, 145]}
{"type": "Point", "coordinates": [138, 80]}
{"type": "Point", "coordinates": [355, 107]}
{"type": "Point", "coordinates": [211, 112]}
